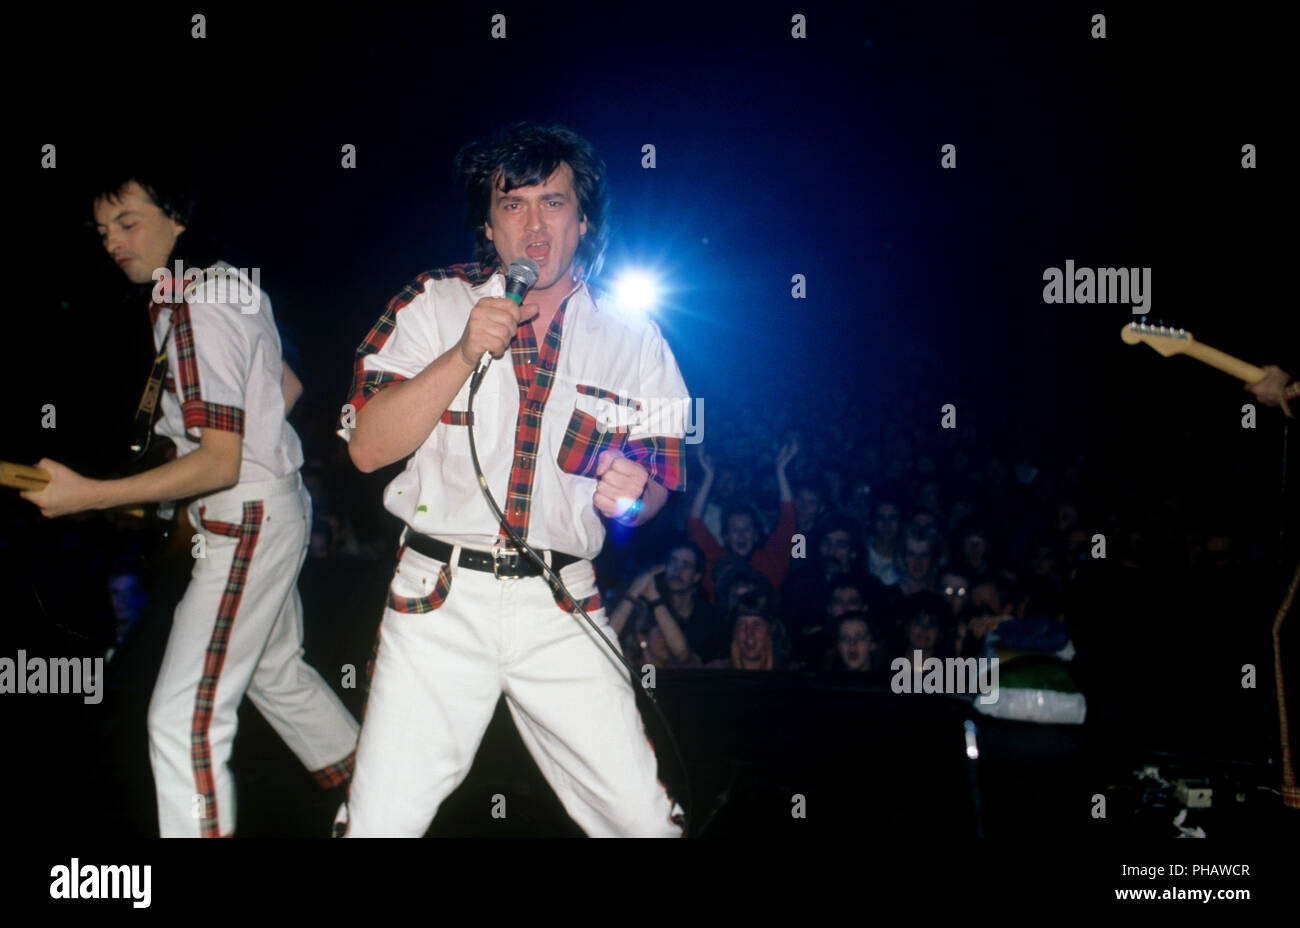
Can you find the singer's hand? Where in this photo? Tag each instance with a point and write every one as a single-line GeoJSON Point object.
{"type": "Point", "coordinates": [620, 483]}
{"type": "Point", "coordinates": [492, 324]}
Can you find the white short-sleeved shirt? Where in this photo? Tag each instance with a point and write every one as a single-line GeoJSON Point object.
{"type": "Point", "coordinates": [614, 384]}
{"type": "Point", "coordinates": [224, 371]}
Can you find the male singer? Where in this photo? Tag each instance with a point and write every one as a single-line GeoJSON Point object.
{"type": "Point", "coordinates": [468, 618]}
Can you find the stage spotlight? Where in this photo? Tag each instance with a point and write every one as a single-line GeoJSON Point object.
{"type": "Point", "coordinates": [636, 291]}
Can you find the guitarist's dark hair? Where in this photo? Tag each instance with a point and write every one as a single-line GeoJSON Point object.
{"type": "Point", "coordinates": [173, 192]}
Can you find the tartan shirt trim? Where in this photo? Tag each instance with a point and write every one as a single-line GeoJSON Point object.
{"type": "Point", "coordinates": [662, 457]}
{"type": "Point", "coordinates": [535, 381]}
{"type": "Point", "coordinates": [604, 394]}
{"type": "Point", "coordinates": [365, 383]}
{"type": "Point", "coordinates": [200, 415]}
{"type": "Point", "coordinates": [187, 360]}
{"type": "Point", "coordinates": [195, 411]}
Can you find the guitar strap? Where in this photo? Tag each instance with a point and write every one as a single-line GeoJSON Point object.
{"type": "Point", "coordinates": [146, 413]}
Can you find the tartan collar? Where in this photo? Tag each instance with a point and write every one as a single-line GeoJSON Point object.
{"type": "Point", "coordinates": [157, 306]}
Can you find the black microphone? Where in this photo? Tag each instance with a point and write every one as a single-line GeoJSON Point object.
{"type": "Point", "coordinates": [523, 274]}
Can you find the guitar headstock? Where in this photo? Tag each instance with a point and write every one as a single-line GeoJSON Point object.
{"type": "Point", "coordinates": [1165, 339]}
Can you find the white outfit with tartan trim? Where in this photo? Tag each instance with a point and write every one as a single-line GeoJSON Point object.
{"type": "Point", "coordinates": [239, 627]}
{"type": "Point", "coordinates": [453, 639]}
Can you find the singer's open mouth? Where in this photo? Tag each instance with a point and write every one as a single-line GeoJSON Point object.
{"type": "Point", "coordinates": [538, 252]}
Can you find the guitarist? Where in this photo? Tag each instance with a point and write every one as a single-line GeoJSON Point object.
{"type": "Point", "coordinates": [1278, 389]}
{"type": "Point", "coordinates": [238, 628]}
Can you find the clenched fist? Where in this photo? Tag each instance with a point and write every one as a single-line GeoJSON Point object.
{"type": "Point", "coordinates": [620, 483]}
{"type": "Point", "coordinates": [492, 324]}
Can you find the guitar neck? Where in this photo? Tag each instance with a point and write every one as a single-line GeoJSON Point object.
{"type": "Point", "coordinates": [1225, 362]}
{"type": "Point", "coordinates": [23, 477]}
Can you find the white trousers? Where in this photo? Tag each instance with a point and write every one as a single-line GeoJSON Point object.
{"type": "Point", "coordinates": [451, 642]}
{"type": "Point", "coordinates": [238, 629]}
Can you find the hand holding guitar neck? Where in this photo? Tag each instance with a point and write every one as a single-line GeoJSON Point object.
{"type": "Point", "coordinates": [35, 479]}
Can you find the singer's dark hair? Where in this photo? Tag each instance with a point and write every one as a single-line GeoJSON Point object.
{"type": "Point", "coordinates": [524, 155]}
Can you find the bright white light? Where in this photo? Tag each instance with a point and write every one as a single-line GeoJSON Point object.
{"type": "Point", "coordinates": [637, 291]}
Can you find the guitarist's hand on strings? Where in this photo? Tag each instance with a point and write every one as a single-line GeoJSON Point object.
{"type": "Point", "coordinates": [66, 493]}
{"type": "Point", "coordinates": [1269, 390]}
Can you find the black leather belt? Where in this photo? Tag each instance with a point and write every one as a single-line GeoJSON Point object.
{"type": "Point", "coordinates": [507, 563]}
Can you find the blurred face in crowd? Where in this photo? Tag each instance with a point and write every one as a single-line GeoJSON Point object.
{"type": "Point", "coordinates": [1218, 550]}
{"type": "Point", "coordinates": [135, 233]}
{"type": "Point", "coordinates": [1066, 517]}
{"type": "Point", "coordinates": [681, 572]}
{"type": "Point", "coordinates": [724, 487]}
{"type": "Point", "coordinates": [985, 600]}
{"type": "Point", "coordinates": [924, 521]}
{"type": "Point", "coordinates": [741, 535]}
{"type": "Point", "coordinates": [753, 636]}
{"type": "Point", "coordinates": [928, 497]}
{"type": "Point", "coordinates": [844, 599]}
{"type": "Point", "coordinates": [917, 558]}
{"type": "Point", "coordinates": [956, 589]}
{"type": "Point", "coordinates": [737, 590]}
{"type": "Point", "coordinates": [808, 506]}
{"type": "Point", "coordinates": [885, 527]}
{"type": "Point", "coordinates": [855, 644]}
{"type": "Point", "coordinates": [837, 549]}
{"type": "Point", "coordinates": [975, 548]}
{"type": "Point", "coordinates": [923, 632]}
{"type": "Point", "coordinates": [126, 594]}
{"type": "Point", "coordinates": [1043, 560]}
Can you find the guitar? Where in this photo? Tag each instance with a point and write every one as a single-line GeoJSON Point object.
{"type": "Point", "coordinates": [144, 537]}
{"type": "Point", "coordinates": [1169, 341]}
{"type": "Point", "coordinates": [23, 477]}
{"type": "Point", "coordinates": [166, 529]}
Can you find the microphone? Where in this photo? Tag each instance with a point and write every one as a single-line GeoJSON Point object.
{"type": "Point", "coordinates": [523, 274]}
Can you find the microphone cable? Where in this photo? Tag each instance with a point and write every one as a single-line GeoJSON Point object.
{"type": "Point", "coordinates": [557, 585]}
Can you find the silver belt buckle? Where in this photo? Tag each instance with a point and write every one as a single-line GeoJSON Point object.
{"type": "Point", "coordinates": [500, 551]}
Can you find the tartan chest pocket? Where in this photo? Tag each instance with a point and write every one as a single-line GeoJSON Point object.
{"type": "Point", "coordinates": [600, 421]}
{"type": "Point", "coordinates": [414, 592]}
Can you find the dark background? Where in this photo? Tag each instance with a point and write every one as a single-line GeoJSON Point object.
{"type": "Point", "coordinates": [774, 157]}
{"type": "Point", "coordinates": [818, 157]}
